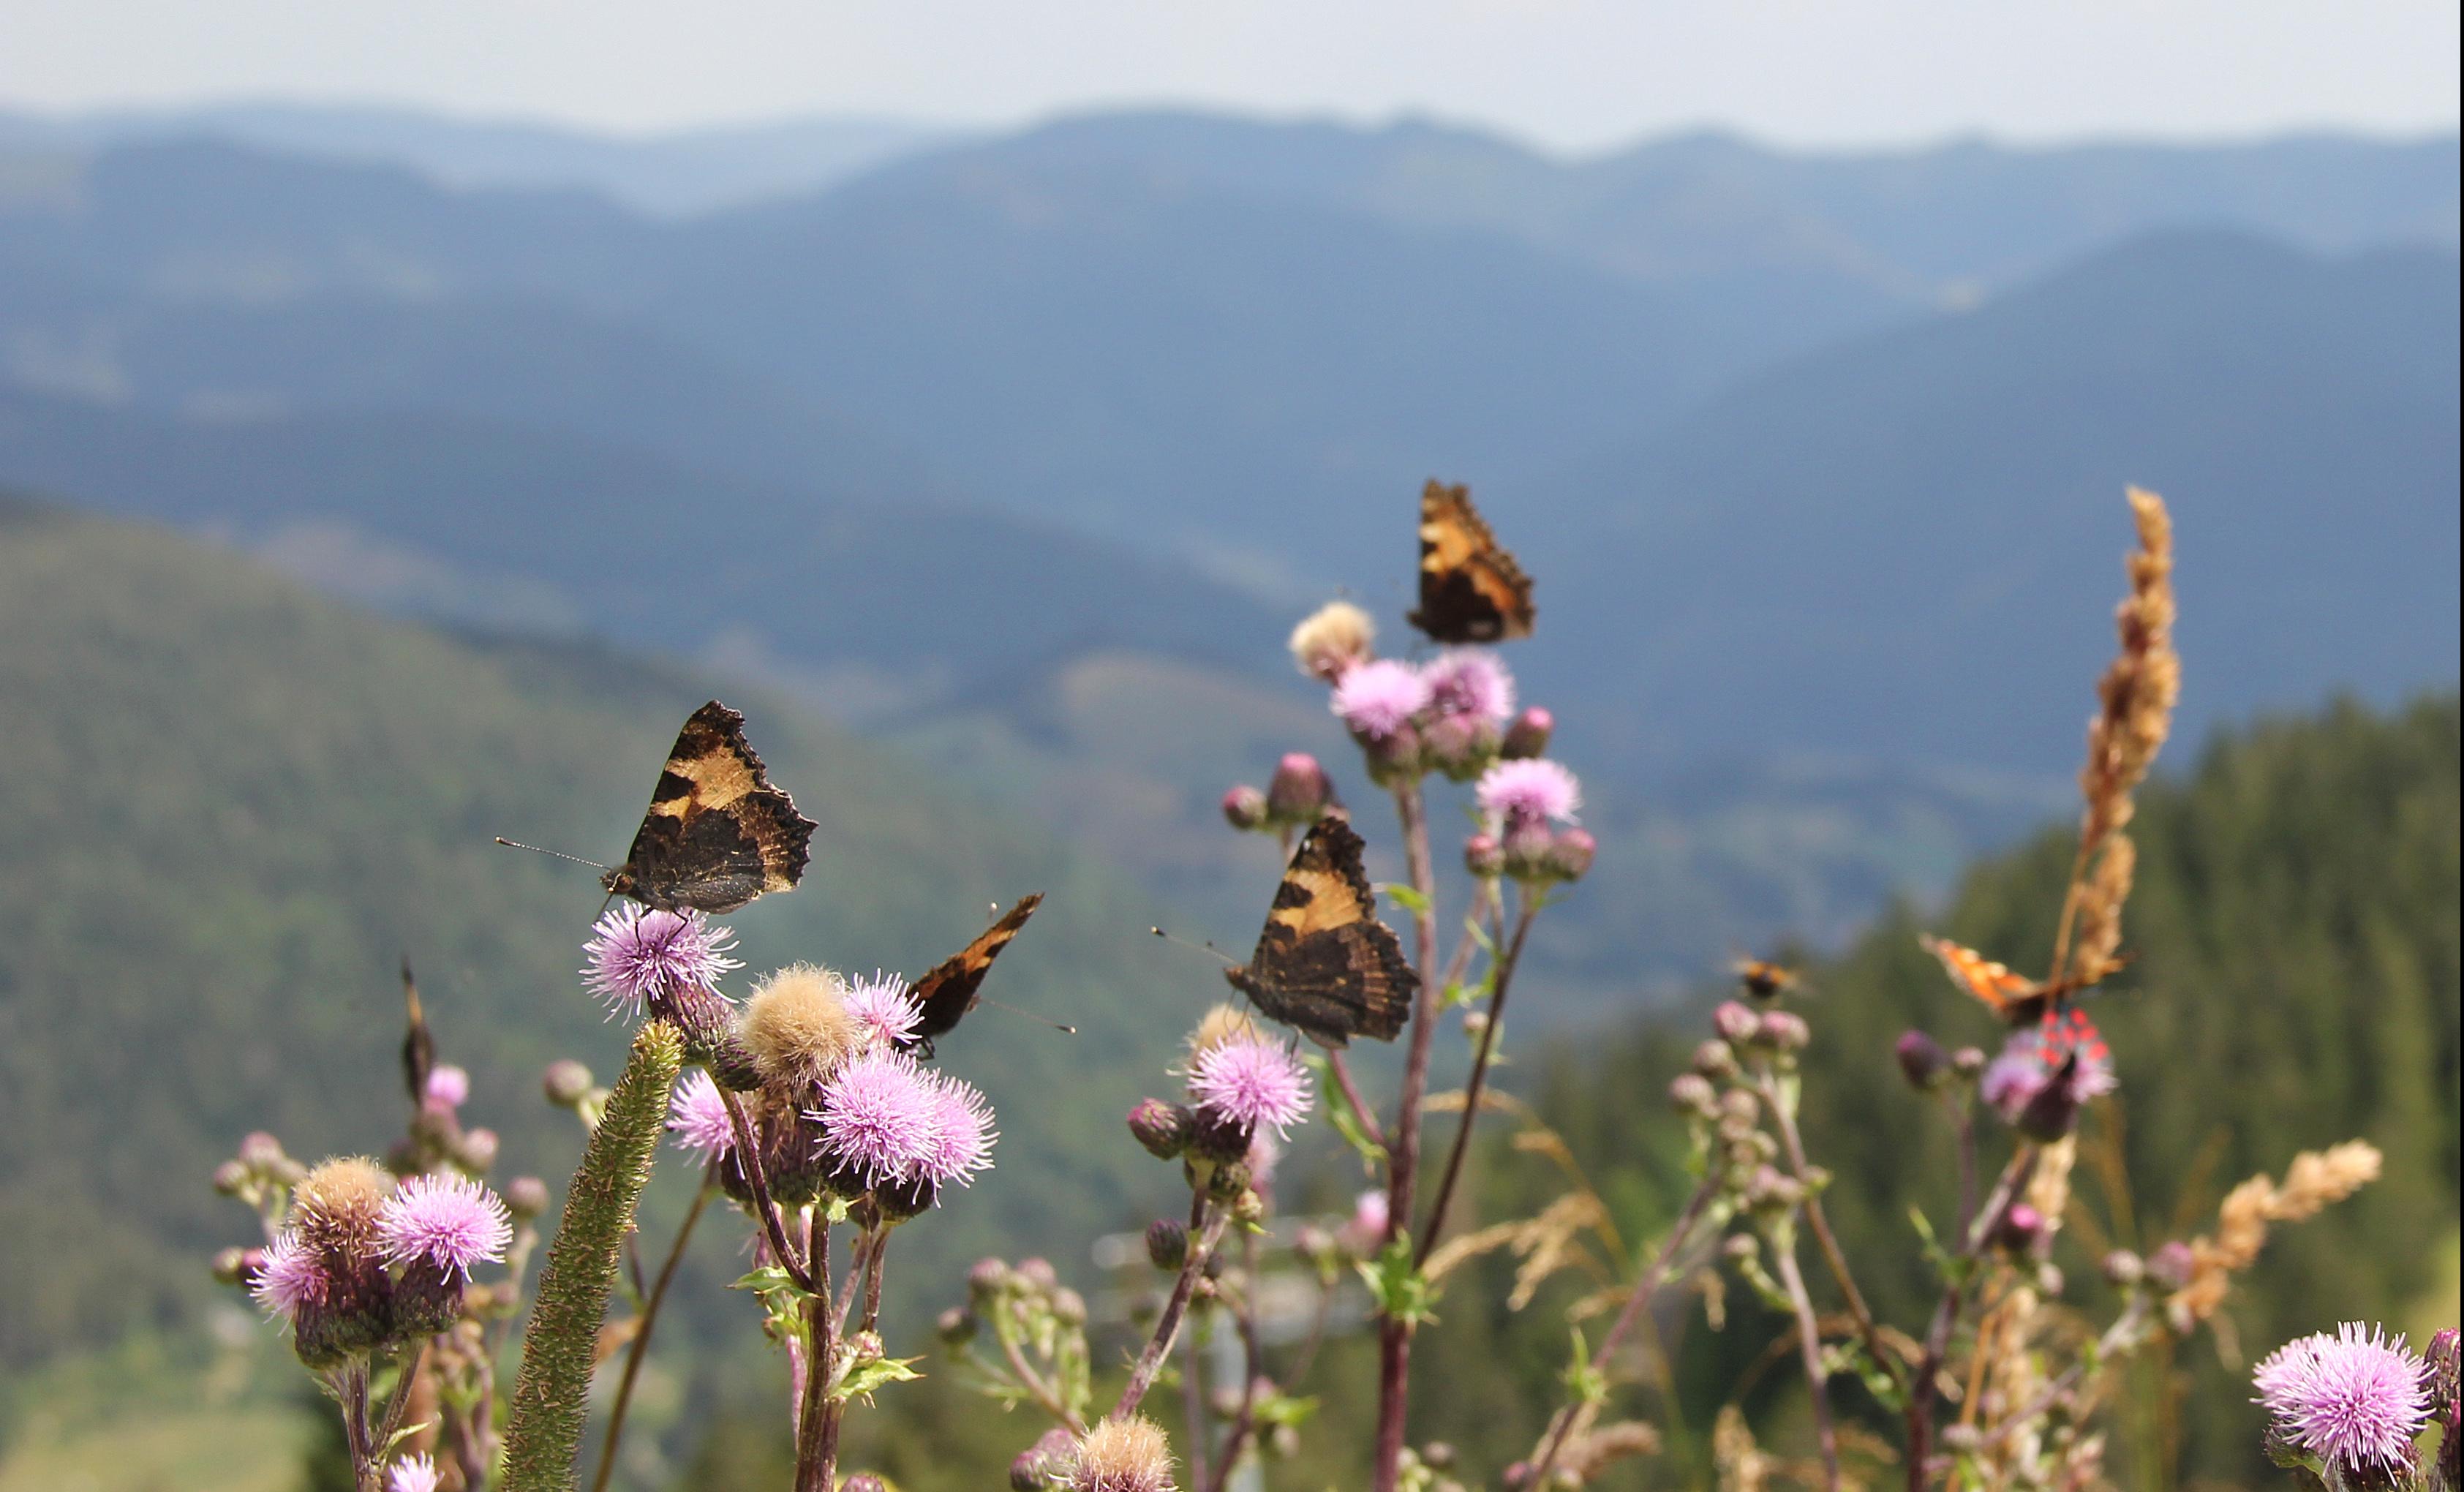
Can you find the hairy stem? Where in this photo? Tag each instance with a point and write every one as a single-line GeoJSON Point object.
{"type": "Point", "coordinates": [1368, 1116]}
{"type": "Point", "coordinates": [639, 1349]}
{"type": "Point", "coordinates": [1253, 1358]}
{"type": "Point", "coordinates": [1793, 1142]}
{"type": "Point", "coordinates": [552, 1393]}
{"type": "Point", "coordinates": [1205, 1231]}
{"type": "Point", "coordinates": [1394, 1337]}
{"type": "Point", "coordinates": [1809, 1346]}
{"type": "Point", "coordinates": [748, 1157]}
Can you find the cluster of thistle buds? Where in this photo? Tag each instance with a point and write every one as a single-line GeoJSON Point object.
{"type": "Point", "coordinates": [1736, 1079]}
{"type": "Point", "coordinates": [1243, 1090]}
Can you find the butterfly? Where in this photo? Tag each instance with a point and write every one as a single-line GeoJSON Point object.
{"type": "Point", "coordinates": [1324, 963]}
{"type": "Point", "coordinates": [955, 984]}
{"type": "Point", "coordinates": [1762, 978]}
{"type": "Point", "coordinates": [2016, 998]}
{"type": "Point", "coordinates": [1471, 590]}
{"type": "Point", "coordinates": [717, 834]}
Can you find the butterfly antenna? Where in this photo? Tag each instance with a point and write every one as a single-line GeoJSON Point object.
{"type": "Point", "coordinates": [555, 854]}
{"type": "Point", "coordinates": [1203, 948]}
{"type": "Point", "coordinates": [1028, 1015]}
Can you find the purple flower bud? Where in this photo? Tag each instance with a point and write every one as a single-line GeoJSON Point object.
{"type": "Point", "coordinates": [260, 1151]}
{"type": "Point", "coordinates": [1921, 1061]}
{"type": "Point", "coordinates": [526, 1197]}
{"type": "Point", "coordinates": [989, 1276]}
{"type": "Point", "coordinates": [2021, 1228]}
{"type": "Point", "coordinates": [478, 1149]}
{"type": "Point", "coordinates": [1039, 1466]}
{"type": "Point", "coordinates": [1166, 1244]}
{"type": "Point", "coordinates": [1244, 808]}
{"type": "Point", "coordinates": [1569, 856]}
{"type": "Point", "coordinates": [231, 1177]}
{"type": "Point", "coordinates": [1692, 1093]}
{"type": "Point", "coordinates": [1716, 1060]}
{"type": "Point", "coordinates": [1967, 1061]}
{"type": "Point", "coordinates": [1484, 857]}
{"type": "Point", "coordinates": [1461, 746]}
{"type": "Point", "coordinates": [1736, 1022]}
{"type": "Point", "coordinates": [1220, 1138]}
{"type": "Point", "coordinates": [1528, 735]}
{"type": "Point", "coordinates": [1039, 1275]}
{"type": "Point", "coordinates": [1395, 757]}
{"type": "Point", "coordinates": [957, 1326]}
{"type": "Point", "coordinates": [1068, 1307]}
{"type": "Point", "coordinates": [568, 1082]}
{"type": "Point", "coordinates": [2172, 1266]}
{"type": "Point", "coordinates": [1299, 791]}
{"type": "Point", "coordinates": [1163, 1129]}
{"type": "Point", "coordinates": [2122, 1268]}
{"type": "Point", "coordinates": [1785, 1030]}
{"type": "Point", "coordinates": [864, 1482]}
{"type": "Point", "coordinates": [1771, 1190]}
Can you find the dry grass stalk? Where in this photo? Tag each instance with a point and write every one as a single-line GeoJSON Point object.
{"type": "Point", "coordinates": [2135, 712]}
{"type": "Point", "coordinates": [2314, 1181]}
{"type": "Point", "coordinates": [1589, 1452]}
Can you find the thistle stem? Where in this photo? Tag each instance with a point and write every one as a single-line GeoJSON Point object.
{"type": "Point", "coordinates": [1793, 1142]}
{"type": "Point", "coordinates": [1809, 1344]}
{"type": "Point", "coordinates": [1206, 1229]}
{"type": "Point", "coordinates": [748, 1155]}
{"type": "Point", "coordinates": [1926, 1386]}
{"type": "Point", "coordinates": [1529, 908]}
{"type": "Point", "coordinates": [1394, 1337]}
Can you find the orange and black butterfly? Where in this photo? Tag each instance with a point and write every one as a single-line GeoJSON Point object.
{"type": "Point", "coordinates": [1325, 964]}
{"type": "Point", "coordinates": [2016, 998]}
{"type": "Point", "coordinates": [954, 986]}
{"type": "Point", "coordinates": [1471, 590]}
{"type": "Point", "coordinates": [717, 834]}
{"type": "Point", "coordinates": [1764, 979]}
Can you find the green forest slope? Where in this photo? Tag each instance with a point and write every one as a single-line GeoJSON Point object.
{"type": "Point", "coordinates": [228, 806]}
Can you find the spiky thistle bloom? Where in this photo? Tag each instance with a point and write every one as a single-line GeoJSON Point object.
{"type": "Point", "coordinates": [1332, 639]}
{"type": "Point", "coordinates": [639, 953]}
{"type": "Point", "coordinates": [289, 1279]}
{"type": "Point", "coordinates": [1470, 682]}
{"type": "Point", "coordinates": [413, 1474]}
{"type": "Point", "coordinates": [447, 1221]}
{"type": "Point", "coordinates": [2355, 1399]}
{"type": "Point", "coordinates": [1122, 1456]}
{"type": "Point", "coordinates": [1378, 699]}
{"type": "Point", "coordinates": [1527, 792]}
{"type": "Point", "coordinates": [1252, 1082]}
{"type": "Point", "coordinates": [884, 1012]}
{"type": "Point", "coordinates": [697, 1117]}
{"type": "Point", "coordinates": [959, 1133]}
{"type": "Point", "coordinates": [878, 1116]}
{"type": "Point", "coordinates": [796, 1027]}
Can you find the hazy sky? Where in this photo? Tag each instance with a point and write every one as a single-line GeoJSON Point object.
{"type": "Point", "coordinates": [1572, 73]}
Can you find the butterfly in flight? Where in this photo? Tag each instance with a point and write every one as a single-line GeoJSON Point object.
{"type": "Point", "coordinates": [1762, 978]}
{"type": "Point", "coordinates": [717, 834]}
{"type": "Point", "coordinates": [1471, 590]}
{"type": "Point", "coordinates": [2016, 998]}
{"type": "Point", "coordinates": [955, 984]}
{"type": "Point", "coordinates": [1324, 963]}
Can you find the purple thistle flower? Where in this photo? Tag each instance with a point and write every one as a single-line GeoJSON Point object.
{"type": "Point", "coordinates": [412, 1473]}
{"type": "Point", "coordinates": [450, 1221]}
{"type": "Point", "coordinates": [639, 955]}
{"type": "Point", "coordinates": [1528, 792]}
{"type": "Point", "coordinates": [879, 1113]}
{"type": "Point", "coordinates": [697, 1117]}
{"type": "Point", "coordinates": [2355, 1399]}
{"type": "Point", "coordinates": [1465, 681]}
{"type": "Point", "coordinates": [289, 1277]}
{"type": "Point", "coordinates": [1378, 698]}
{"type": "Point", "coordinates": [883, 1009]}
{"type": "Point", "coordinates": [449, 1086]}
{"type": "Point", "coordinates": [1250, 1082]}
{"type": "Point", "coordinates": [2044, 1075]}
{"type": "Point", "coordinates": [960, 1135]}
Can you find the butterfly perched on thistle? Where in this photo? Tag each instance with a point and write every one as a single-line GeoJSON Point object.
{"type": "Point", "coordinates": [1324, 963]}
{"type": "Point", "coordinates": [1471, 589]}
{"type": "Point", "coordinates": [955, 985]}
{"type": "Point", "coordinates": [2020, 1000]}
{"type": "Point", "coordinates": [717, 834]}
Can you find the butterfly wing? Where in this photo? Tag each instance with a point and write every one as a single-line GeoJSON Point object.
{"type": "Point", "coordinates": [1324, 963]}
{"type": "Point", "coordinates": [1471, 590]}
{"type": "Point", "coordinates": [717, 834]}
{"type": "Point", "coordinates": [2014, 996]}
{"type": "Point", "coordinates": [948, 991]}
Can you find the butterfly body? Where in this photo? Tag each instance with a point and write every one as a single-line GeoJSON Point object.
{"type": "Point", "coordinates": [1764, 979]}
{"type": "Point", "coordinates": [1324, 963]}
{"type": "Point", "coordinates": [717, 834]}
{"type": "Point", "coordinates": [954, 986]}
{"type": "Point", "coordinates": [1471, 590]}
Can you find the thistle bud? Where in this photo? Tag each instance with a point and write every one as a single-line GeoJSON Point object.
{"type": "Point", "coordinates": [260, 1151]}
{"type": "Point", "coordinates": [1528, 735]}
{"type": "Point", "coordinates": [1716, 1060]}
{"type": "Point", "coordinates": [2172, 1266]}
{"type": "Point", "coordinates": [1039, 1275]}
{"type": "Point", "coordinates": [1040, 1465]}
{"type": "Point", "coordinates": [1921, 1061]}
{"type": "Point", "coordinates": [1740, 1247]}
{"type": "Point", "coordinates": [233, 1266]}
{"type": "Point", "coordinates": [1569, 856]}
{"type": "Point", "coordinates": [2124, 1269]}
{"type": "Point", "coordinates": [1299, 791]}
{"type": "Point", "coordinates": [956, 1327]}
{"type": "Point", "coordinates": [1395, 757]}
{"type": "Point", "coordinates": [1166, 1244]}
{"type": "Point", "coordinates": [1161, 1128]}
{"type": "Point", "coordinates": [1220, 1138]}
{"type": "Point", "coordinates": [479, 1149]}
{"type": "Point", "coordinates": [1692, 1093]}
{"type": "Point", "coordinates": [1484, 857]}
{"type": "Point", "coordinates": [568, 1082]}
{"type": "Point", "coordinates": [1226, 1181]}
{"type": "Point", "coordinates": [1771, 1190]}
{"type": "Point", "coordinates": [526, 1197]}
{"type": "Point", "coordinates": [231, 1177]}
{"type": "Point", "coordinates": [988, 1278]}
{"type": "Point", "coordinates": [901, 1200]}
{"type": "Point", "coordinates": [2020, 1230]}
{"type": "Point", "coordinates": [1248, 1209]}
{"type": "Point", "coordinates": [1784, 1030]}
{"type": "Point", "coordinates": [1068, 1307]}
{"type": "Point", "coordinates": [1737, 1023]}
{"type": "Point", "coordinates": [1244, 808]}
{"type": "Point", "coordinates": [1461, 746]}
{"type": "Point", "coordinates": [1967, 1061]}
{"type": "Point", "coordinates": [864, 1482]}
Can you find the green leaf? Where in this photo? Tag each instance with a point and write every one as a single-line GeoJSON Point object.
{"type": "Point", "coordinates": [1584, 1383]}
{"type": "Point", "coordinates": [1405, 897]}
{"type": "Point", "coordinates": [1402, 1291]}
{"type": "Point", "coordinates": [863, 1378]}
